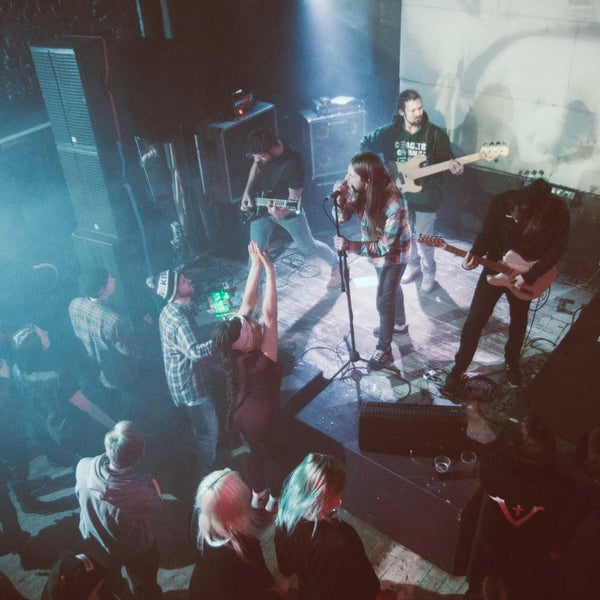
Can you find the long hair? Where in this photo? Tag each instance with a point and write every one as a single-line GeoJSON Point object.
{"type": "Point", "coordinates": [224, 334]}
{"type": "Point", "coordinates": [307, 489]}
{"type": "Point", "coordinates": [530, 203]}
{"type": "Point", "coordinates": [532, 441]}
{"type": "Point", "coordinates": [222, 506]}
{"type": "Point", "coordinates": [370, 169]}
{"type": "Point", "coordinates": [407, 96]}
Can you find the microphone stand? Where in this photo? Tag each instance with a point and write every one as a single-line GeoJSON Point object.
{"type": "Point", "coordinates": [353, 355]}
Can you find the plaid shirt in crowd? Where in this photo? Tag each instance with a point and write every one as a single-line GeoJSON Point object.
{"type": "Point", "coordinates": [106, 335]}
{"type": "Point", "coordinates": [183, 354]}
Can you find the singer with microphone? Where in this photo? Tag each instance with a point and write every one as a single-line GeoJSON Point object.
{"type": "Point", "coordinates": [369, 192]}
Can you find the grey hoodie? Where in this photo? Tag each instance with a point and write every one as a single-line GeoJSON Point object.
{"type": "Point", "coordinates": [116, 507]}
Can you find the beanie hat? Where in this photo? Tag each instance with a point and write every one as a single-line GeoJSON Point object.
{"type": "Point", "coordinates": [93, 281]}
{"type": "Point", "coordinates": [73, 578]}
{"type": "Point", "coordinates": [164, 284]}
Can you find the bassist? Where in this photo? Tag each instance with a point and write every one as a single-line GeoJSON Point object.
{"type": "Point", "coordinates": [277, 171]}
{"type": "Point", "coordinates": [533, 223]}
{"type": "Point", "coordinates": [412, 134]}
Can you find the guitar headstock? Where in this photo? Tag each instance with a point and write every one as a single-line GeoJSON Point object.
{"type": "Point", "coordinates": [434, 241]}
{"type": "Point", "coordinates": [493, 150]}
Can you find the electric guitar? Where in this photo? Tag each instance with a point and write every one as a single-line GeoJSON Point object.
{"type": "Point", "coordinates": [293, 204]}
{"type": "Point", "coordinates": [411, 169]}
{"type": "Point", "coordinates": [511, 261]}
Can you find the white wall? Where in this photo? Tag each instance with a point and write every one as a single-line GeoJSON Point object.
{"type": "Point", "coordinates": [525, 72]}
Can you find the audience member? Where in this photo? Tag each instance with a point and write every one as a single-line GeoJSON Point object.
{"type": "Point", "coordinates": [75, 577]}
{"type": "Point", "coordinates": [117, 502]}
{"type": "Point", "coordinates": [185, 358]}
{"type": "Point", "coordinates": [581, 561]}
{"type": "Point", "coordinates": [324, 552]}
{"type": "Point", "coordinates": [228, 556]}
{"type": "Point", "coordinates": [107, 337]}
{"type": "Point", "coordinates": [520, 532]}
{"type": "Point", "coordinates": [64, 421]}
{"type": "Point", "coordinates": [253, 376]}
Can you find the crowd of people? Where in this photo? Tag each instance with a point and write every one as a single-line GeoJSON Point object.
{"type": "Point", "coordinates": [527, 514]}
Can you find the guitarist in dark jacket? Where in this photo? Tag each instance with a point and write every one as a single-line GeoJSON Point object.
{"type": "Point", "coordinates": [278, 172]}
{"type": "Point", "coordinates": [533, 223]}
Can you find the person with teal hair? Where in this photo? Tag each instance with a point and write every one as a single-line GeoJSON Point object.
{"type": "Point", "coordinates": [324, 552]}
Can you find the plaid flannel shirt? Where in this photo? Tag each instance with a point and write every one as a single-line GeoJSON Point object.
{"type": "Point", "coordinates": [184, 354]}
{"type": "Point", "coordinates": [107, 336]}
{"type": "Point", "coordinates": [392, 243]}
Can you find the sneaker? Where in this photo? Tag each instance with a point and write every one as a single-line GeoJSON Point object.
{"type": "Point", "coordinates": [272, 505]}
{"type": "Point", "coordinates": [401, 329]}
{"type": "Point", "coordinates": [428, 283]}
{"type": "Point", "coordinates": [513, 374]}
{"type": "Point", "coordinates": [410, 274]}
{"type": "Point", "coordinates": [453, 382]}
{"type": "Point", "coordinates": [259, 499]}
{"type": "Point", "coordinates": [380, 359]}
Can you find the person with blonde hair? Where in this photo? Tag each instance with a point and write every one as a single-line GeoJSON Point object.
{"type": "Point", "coordinates": [324, 552]}
{"type": "Point", "coordinates": [229, 561]}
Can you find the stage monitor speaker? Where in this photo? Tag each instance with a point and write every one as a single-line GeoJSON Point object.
{"type": "Point", "coordinates": [123, 259]}
{"type": "Point", "coordinates": [90, 129]}
{"type": "Point", "coordinates": [422, 429]}
{"type": "Point", "coordinates": [329, 142]}
{"type": "Point", "coordinates": [222, 152]}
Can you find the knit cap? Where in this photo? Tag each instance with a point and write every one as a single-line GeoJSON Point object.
{"type": "Point", "coordinates": [164, 284]}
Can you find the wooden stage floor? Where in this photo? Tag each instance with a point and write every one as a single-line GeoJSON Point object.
{"type": "Point", "coordinates": [314, 327]}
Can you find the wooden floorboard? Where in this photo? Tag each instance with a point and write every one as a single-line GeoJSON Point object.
{"type": "Point", "coordinates": [314, 328]}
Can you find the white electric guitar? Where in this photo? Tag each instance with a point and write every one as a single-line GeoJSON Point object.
{"type": "Point", "coordinates": [293, 204]}
{"type": "Point", "coordinates": [411, 169]}
{"type": "Point", "coordinates": [511, 262]}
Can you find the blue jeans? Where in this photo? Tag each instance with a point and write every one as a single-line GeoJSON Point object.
{"type": "Point", "coordinates": [261, 230]}
{"type": "Point", "coordinates": [389, 301]}
{"type": "Point", "coordinates": [485, 298]}
{"type": "Point", "coordinates": [205, 431]}
{"type": "Point", "coordinates": [421, 223]}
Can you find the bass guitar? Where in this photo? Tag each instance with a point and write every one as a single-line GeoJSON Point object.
{"type": "Point", "coordinates": [511, 262]}
{"type": "Point", "coordinates": [411, 169]}
{"type": "Point", "coordinates": [293, 204]}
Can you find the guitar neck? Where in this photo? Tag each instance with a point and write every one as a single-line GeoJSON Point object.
{"type": "Point", "coordinates": [278, 202]}
{"type": "Point", "coordinates": [490, 264]}
{"type": "Point", "coordinates": [445, 166]}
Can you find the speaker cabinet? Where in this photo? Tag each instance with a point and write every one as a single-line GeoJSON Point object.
{"type": "Point", "coordinates": [330, 141]}
{"type": "Point", "coordinates": [423, 429]}
{"type": "Point", "coordinates": [80, 86]}
{"type": "Point", "coordinates": [222, 152]}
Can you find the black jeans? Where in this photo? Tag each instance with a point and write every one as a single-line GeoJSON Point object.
{"type": "Point", "coordinates": [485, 298]}
{"type": "Point", "coordinates": [389, 296]}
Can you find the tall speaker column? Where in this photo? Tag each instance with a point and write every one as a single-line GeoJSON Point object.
{"type": "Point", "coordinates": [78, 77]}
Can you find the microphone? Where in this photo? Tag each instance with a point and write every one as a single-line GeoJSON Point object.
{"type": "Point", "coordinates": [333, 196]}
